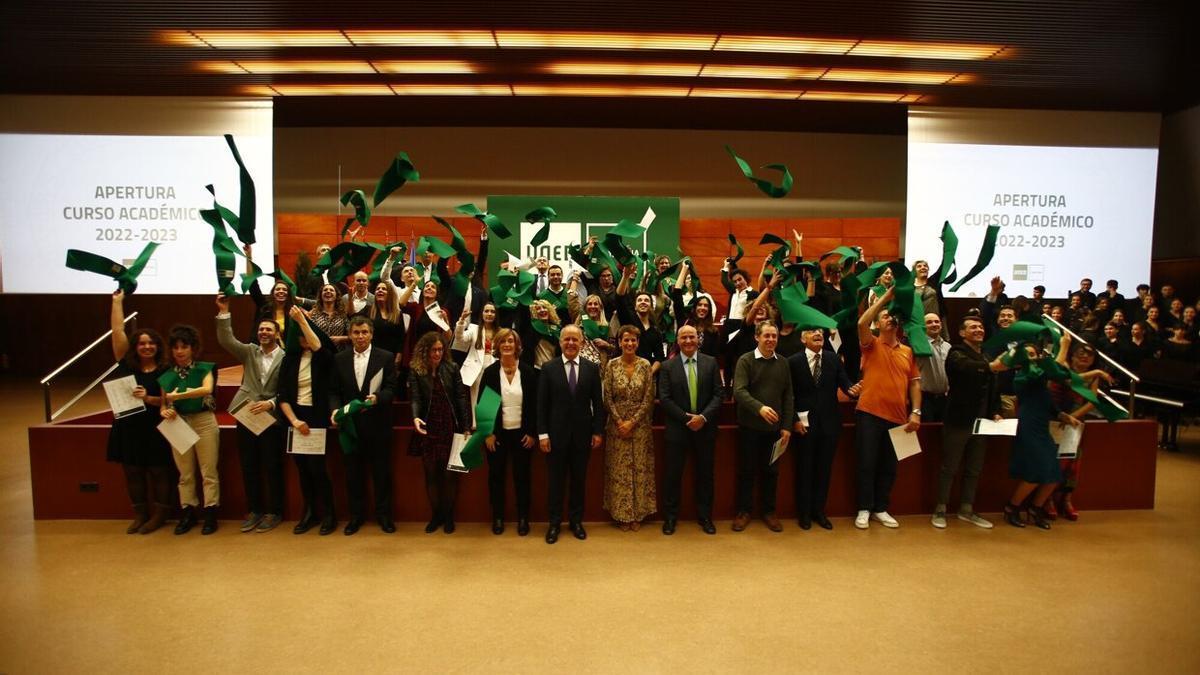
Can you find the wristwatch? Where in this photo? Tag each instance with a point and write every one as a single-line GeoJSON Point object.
{"type": "Point", "coordinates": [916, 411]}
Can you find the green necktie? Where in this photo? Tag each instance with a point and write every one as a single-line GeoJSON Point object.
{"type": "Point", "coordinates": [691, 363]}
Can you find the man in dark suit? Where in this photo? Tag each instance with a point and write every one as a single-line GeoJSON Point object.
{"type": "Point", "coordinates": [817, 374]}
{"type": "Point", "coordinates": [354, 372]}
{"type": "Point", "coordinates": [689, 388]}
{"type": "Point", "coordinates": [570, 423]}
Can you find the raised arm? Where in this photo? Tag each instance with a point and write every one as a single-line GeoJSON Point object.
{"type": "Point", "coordinates": [626, 277]}
{"type": "Point", "coordinates": [120, 341]}
{"type": "Point", "coordinates": [865, 337]}
{"type": "Point", "coordinates": [306, 331]}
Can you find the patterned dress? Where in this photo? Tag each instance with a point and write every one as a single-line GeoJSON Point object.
{"type": "Point", "coordinates": [629, 493]}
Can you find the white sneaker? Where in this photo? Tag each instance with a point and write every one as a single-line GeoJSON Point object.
{"type": "Point", "coordinates": [863, 520]}
{"type": "Point", "coordinates": [976, 520]}
{"type": "Point", "coordinates": [886, 518]}
{"type": "Point", "coordinates": [938, 520]}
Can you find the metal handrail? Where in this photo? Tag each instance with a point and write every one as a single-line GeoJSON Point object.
{"type": "Point", "coordinates": [1152, 399]}
{"type": "Point", "coordinates": [46, 380]}
{"type": "Point", "coordinates": [1133, 379]}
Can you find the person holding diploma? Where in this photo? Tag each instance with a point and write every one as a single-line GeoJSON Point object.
{"type": "Point", "coordinates": [188, 395]}
{"type": "Point", "coordinates": [689, 387]}
{"type": "Point", "coordinates": [974, 393]}
{"type": "Point", "coordinates": [366, 373]}
{"type": "Point", "coordinates": [262, 454]}
{"type": "Point", "coordinates": [134, 441]}
{"type": "Point", "coordinates": [1080, 360]}
{"type": "Point", "coordinates": [516, 428]}
{"type": "Point", "coordinates": [762, 394]}
{"type": "Point", "coordinates": [890, 381]}
{"type": "Point", "coordinates": [570, 423]}
{"type": "Point", "coordinates": [817, 374]}
{"type": "Point", "coordinates": [628, 386]}
{"type": "Point", "coordinates": [303, 399]}
{"type": "Point", "coordinates": [440, 411]}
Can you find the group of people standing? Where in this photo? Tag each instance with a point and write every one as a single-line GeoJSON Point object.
{"type": "Point", "coordinates": [577, 369]}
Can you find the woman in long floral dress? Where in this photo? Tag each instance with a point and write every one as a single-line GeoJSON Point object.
{"type": "Point", "coordinates": [629, 494]}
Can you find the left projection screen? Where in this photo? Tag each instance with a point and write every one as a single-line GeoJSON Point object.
{"type": "Point", "coordinates": [113, 194]}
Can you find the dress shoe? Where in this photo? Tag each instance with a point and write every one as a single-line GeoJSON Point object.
{"type": "Point", "coordinates": [669, 526]}
{"type": "Point", "coordinates": [741, 521]}
{"type": "Point", "coordinates": [307, 522]}
{"type": "Point", "coordinates": [822, 520]}
{"type": "Point", "coordinates": [433, 525]}
{"type": "Point", "coordinates": [805, 522]}
{"type": "Point", "coordinates": [498, 526]}
{"type": "Point", "coordinates": [1012, 516]}
{"type": "Point", "coordinates": [448, 527]}
{"type": "Point", "coordinates": [210, 520]}
{"type": "Point", "coordinates": [328, 525]}
{"type": "Point", "coordinates": [552, 534]}
{"type": "Point", "coordinates": [352, 526]}
{"type": "Point", "coordinates": [706, 524]}
{"type": "Point", "coordinates": [772, 522]}
{"type": "Point", "coordinates": [186, 520]}
{"type": "Point", "coordinates": [578, 531]}
{"type": "Point", "coordinates": [386, 524]}
{"type": "Point", "coordinates": [523, 527]}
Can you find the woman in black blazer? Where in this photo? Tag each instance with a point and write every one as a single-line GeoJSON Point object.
{"type": "Point", "coordinates": [303, 396]}
{"type": "Point", "coordinates": [440, 410]}
{"type": "Point", "coordinates": [515, 433]}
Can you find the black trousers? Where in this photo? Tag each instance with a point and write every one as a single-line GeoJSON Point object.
{"type": "Point", "coordinates": [262, 457]}
{"type": "Point", "coordinates": [703, 445]}
{"type": "Point", "coordinates": [754, 461]}
{"type": "Point", "coordinates": [374, 454]}
{"type": "Point", "coordinates": [876, 471]}
{"type": "Point", "coordinates": [508, 449]}
{"type": "Point", "coordinates": [565, 462]}
{"type": "Point", "coordinates": [315, 485]}
{"type": "Point", "coordinates": [933, 407]}
{"type": "Point", "coordinates": [814, 452]}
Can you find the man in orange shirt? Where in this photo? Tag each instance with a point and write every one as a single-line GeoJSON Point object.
{"type": "Point", "coordinates": [890, 380]}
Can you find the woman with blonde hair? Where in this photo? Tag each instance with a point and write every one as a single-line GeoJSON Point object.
{"type": "Point", "coordinates": [598, 333]}
{"type": "Point", "coordinates": [539, 327]}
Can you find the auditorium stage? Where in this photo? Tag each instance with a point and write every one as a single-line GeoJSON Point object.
{"type": "Point", "coordinates": [71, 479]}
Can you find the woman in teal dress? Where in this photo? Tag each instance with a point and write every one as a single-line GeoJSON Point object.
{"type": "Point", "coordinates": [1034, 460]}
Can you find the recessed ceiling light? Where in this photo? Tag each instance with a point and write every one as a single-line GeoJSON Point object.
{"type": "Point", "coordinates": [598, 90]}
{"type": "Point", "coordinates": [262, 67]}
{"type": "Point", "coordinates": [786, 45]}
{"type": "Point", "coordinates": [426, 67]}
{"type": "Point", "coordinates": [715, 92]}
{"type": "Point", "coordinates": [582, 40]}
{"type": "Point", "coordinates": [452, 89]}
{"type": "Point", "coordinates": [422, 38]}
{"type": "Point", "coordinates": [925, 50]}
{"type": "Point", "coordinates": [850, 96]}
{"type": "Point", "coordinates": [235, 39]}
{"type": "Point", "coordinates": [762, 72]}
{"type": "Point", "coordinates": [906, 77]}
{"type": "Point", "coordinates": [331, 89]}
{"type": "Point", "coordinates": [628, 68]}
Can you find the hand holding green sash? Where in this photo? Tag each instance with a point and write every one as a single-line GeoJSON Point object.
{"type": "Point", "coordinates": [486, 412]}
{"type": "Point", "coordinates": [126, 277]}
{"type": "Point", "coordinates": [347, 431]}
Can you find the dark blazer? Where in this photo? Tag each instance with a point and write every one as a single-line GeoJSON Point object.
{"type": "Point", "coordinates": [559, 412]}
{"type": "Point", "coordinates": [529, 388]}
{"type": "Point", "coordinates": [420, 391]}
{"type": "Point", "coordinates": [343, 388]}
{"type": "Point", "coordinates": [673, 395]}
{"type": "Point", "coordinates": [322, 366]}
{"type": "Point", "coordinates": [819, 398]}
{"type": "Point", "coordinates": [974, 388]}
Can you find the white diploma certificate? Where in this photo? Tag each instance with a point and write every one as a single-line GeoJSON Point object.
{"type": "Point", "coordinates": [1067, 437]}
{"type": "Point", "coordinates": [434, 312]}
{"type": "Point", "coordinates": [312, 444]}
{"type": "Point", "coordinates": [778, 449]}
{"type": "Point", "coordinates": [456, 448]}
{"type": "Point", "coordinates": [472, 367]}
{"type": "Point", "coordinates": [375, 383]}
{"type": "Point", "coordinates": [256, 423]}
{"type": "Point", "coordinates": [121, 399]}
{"type": "Point", "coordinates": [178, 434]}
{"type": "Point", "coordinates": [802, 418]}
{"type": "Point", "coordinates": [904, 443]}
{"type": "Point", "coordinates": [986, 427]}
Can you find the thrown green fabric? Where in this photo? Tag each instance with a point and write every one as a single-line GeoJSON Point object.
{"type": "Point", "coordinates": [225, 252]}
{"type": "Point", "coordinates": [794, 308]}
{"type": "Point", "coordinates": [946, 272]}
{"type": "Point", "coordinates": [461, 280]}
{"type": "Point", "coordinates": [740, 251]}
{"type": "Point", "coordinates": [399, 172]}
{"type": "Point", "coordinates": [489, 220]}
{"type": "Point", "coordinates": [248, 205]}
{"type": "Point", "coordinates": [767, 187]}
{"type": "Point", "coordinates": [347, 431]}
{"type": "Point", "coordinates": [376, 272]}
{"type": "Point", "coordinates": [351, 256]}
{"type": "Point", "coordinates": [126, 277]}
{"type": "Point", "coordinates": [362, 212]}
{"type": "Point", "coordinates": [986, 251]}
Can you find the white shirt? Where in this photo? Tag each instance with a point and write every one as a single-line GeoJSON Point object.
{"type": "Point", "coordinates": [304, 380]}
{"type": "Point", "coordinates": [738, 304]}
{"type": "Point", "coordinates": [511, 398]}
{"type": "Point", "coordinates": [760, 355]}
{"type": "Point", "coordinates": [813, 359]}
{"type": "Point", "coordinates": [358, 302]}
{"type": "Point", "coordinates": [265, 361]}
{"type": "Point", "coordinates": [361, 359]}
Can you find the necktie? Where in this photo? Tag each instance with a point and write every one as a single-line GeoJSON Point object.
{"type": "Point", "coordinates": [691, 363]}
{"type": "Point", "coordinates": [816, 369]}
{"type": "Point", "coordinates": [541, 283]}
{"type": "Point", "coordinates": [571, 376]}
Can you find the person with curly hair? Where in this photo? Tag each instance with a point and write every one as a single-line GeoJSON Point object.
{"type": "Point", "coordinates": [188, 394]}
{"type": "Point", "coordinates": [440, 410]}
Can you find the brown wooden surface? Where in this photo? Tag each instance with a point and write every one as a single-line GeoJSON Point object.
{"type": "Point", "coordinates": [1118, 473]}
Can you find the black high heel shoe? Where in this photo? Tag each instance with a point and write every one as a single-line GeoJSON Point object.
{"type": "Point", "coordinates": [522, 527]}
{"type": "Point", "coordinates": [1039, 517]}
{"type": "Point", "coordinates": [1012, 515]}
{"type": "Point", "coordinates": [433, 525]}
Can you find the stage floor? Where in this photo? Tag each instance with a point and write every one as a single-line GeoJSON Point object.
{"type": "Point", "coordinates": [1114, 592]}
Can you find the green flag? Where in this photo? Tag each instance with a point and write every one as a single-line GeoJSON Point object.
{"type": "Point", "coordinates": [486, 412]}
{"type": "Point", "coordinates": [248, 205]}
{"type": "Point", "coordinates": [946, 273]}
{"type": "Point", "coordinates": [399, 172]}
{"type": "Point", "coordinates": [985, 256]}
{"type": "Point", "coordinates": [225, 252]}
{"type": "Point", "coordinates": [492, 222]}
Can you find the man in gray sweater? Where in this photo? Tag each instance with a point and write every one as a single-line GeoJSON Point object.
{"type": "Point", "coordinates": [762, 391]}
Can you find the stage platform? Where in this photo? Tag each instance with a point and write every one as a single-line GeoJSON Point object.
{"type": "Point", "coordinates": [71, 479]}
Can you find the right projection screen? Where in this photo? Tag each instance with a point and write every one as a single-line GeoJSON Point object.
{"type": "Point", "coordinates": [1072, 192]}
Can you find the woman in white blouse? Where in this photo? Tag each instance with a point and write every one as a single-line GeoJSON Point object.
{"type": "Point", "coordinates": [515, 433]}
